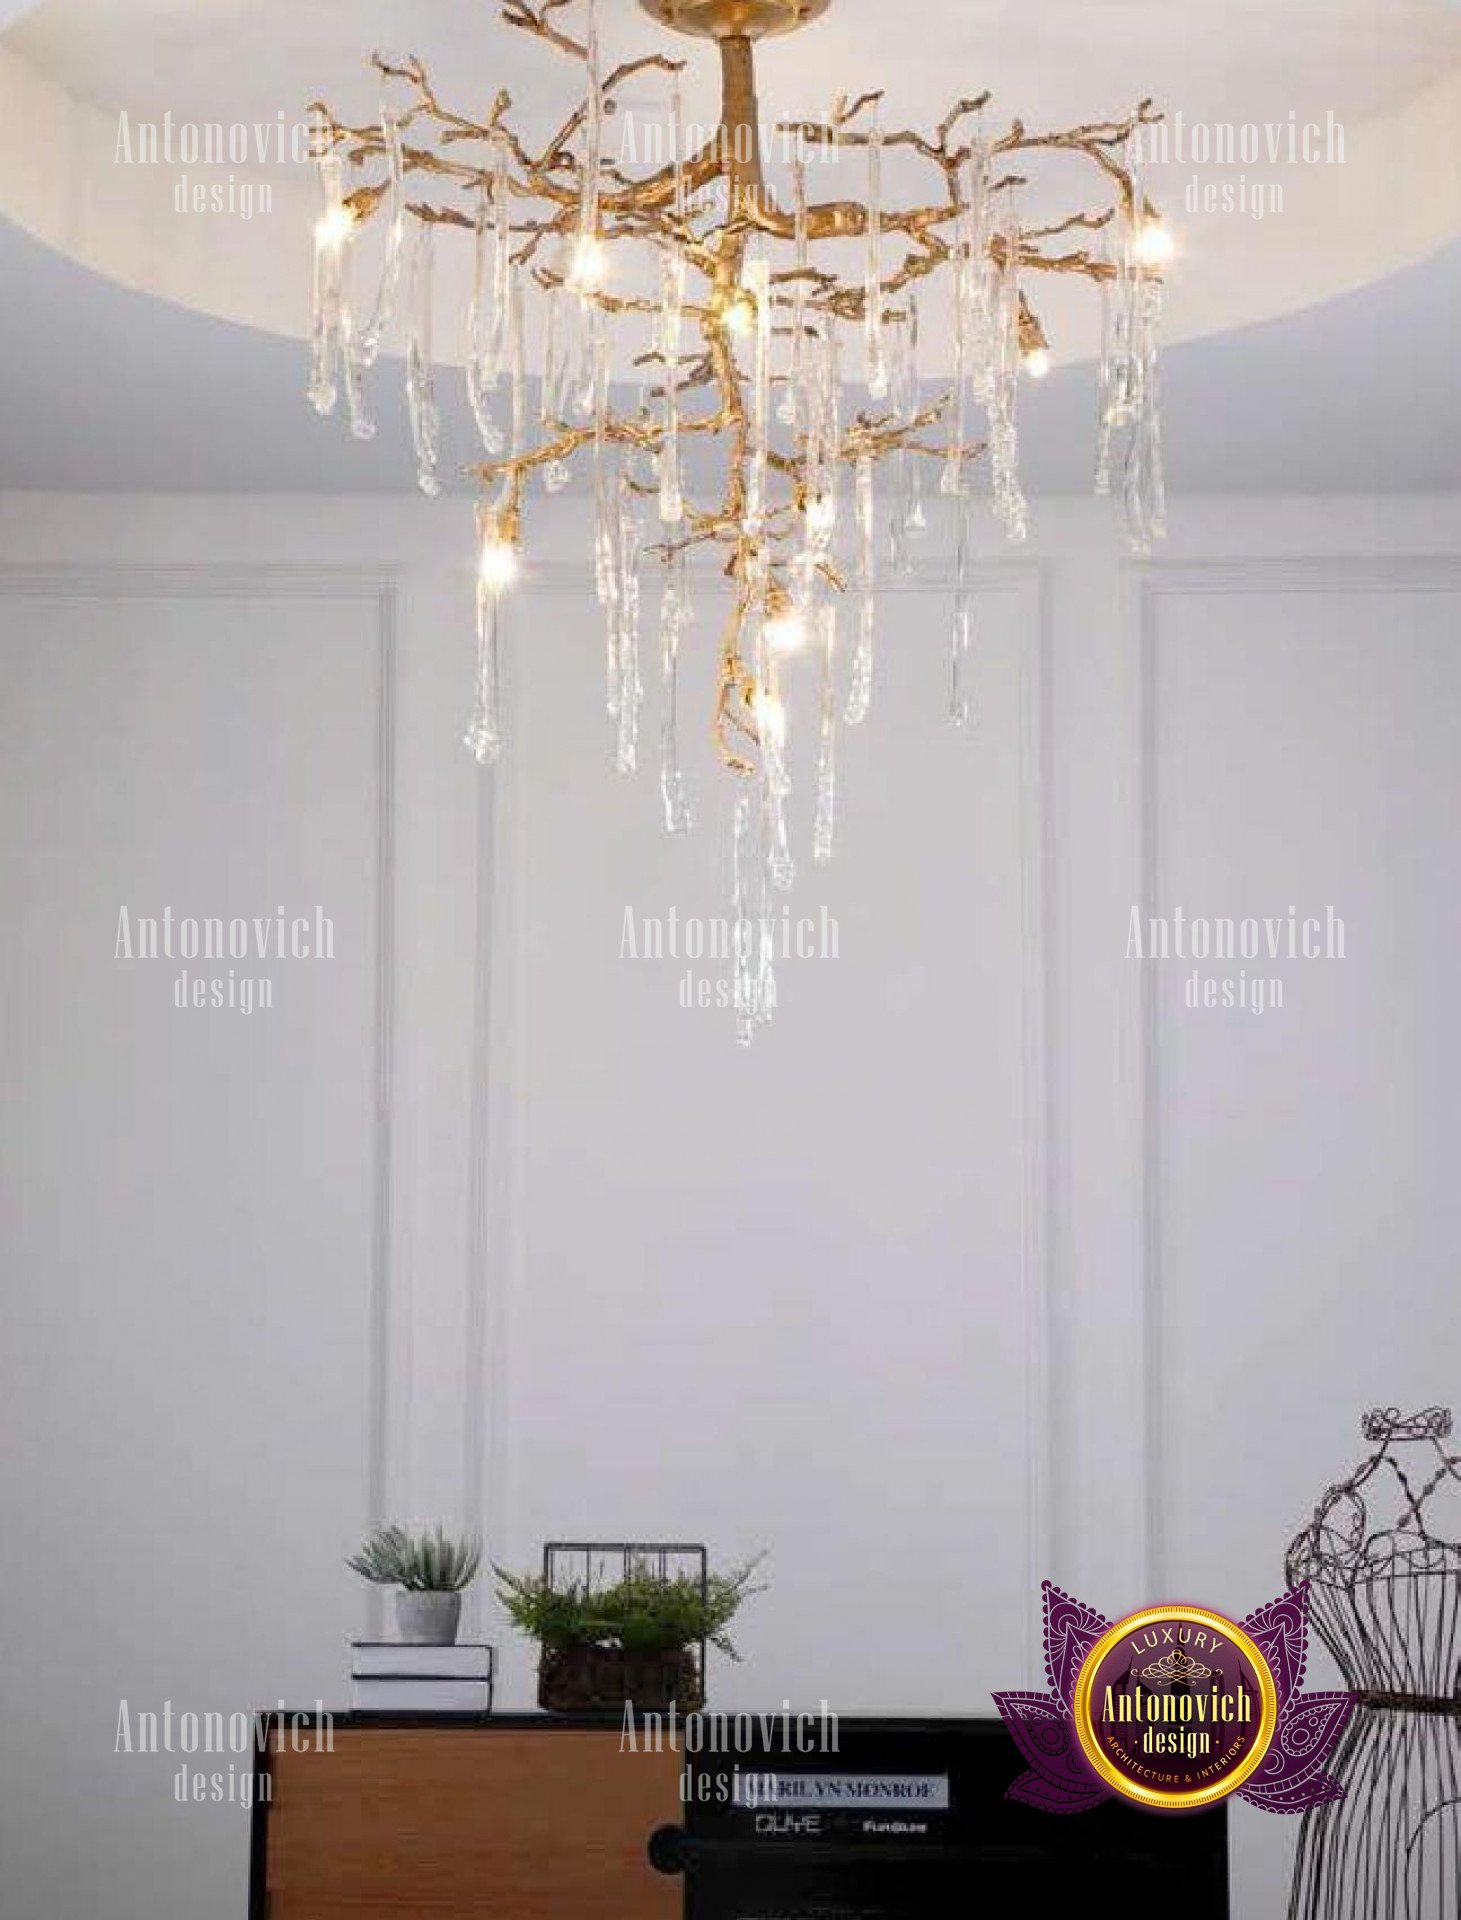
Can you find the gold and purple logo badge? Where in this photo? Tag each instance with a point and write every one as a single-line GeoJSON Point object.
{"type": "Point", "coordinates": [1175, 1707]}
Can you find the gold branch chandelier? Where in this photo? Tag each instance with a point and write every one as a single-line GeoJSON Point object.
{"type": "Point", "coordinates": [746, 316]}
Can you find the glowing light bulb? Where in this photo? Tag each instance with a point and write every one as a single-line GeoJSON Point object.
{"type": "Point", "coordinates": [822, 513]}
{"type": "Point", "coordinates": [786, 631]}
{"type": "Point", "coordinates": [1034, 347]}
{"type": "Point", "coordinates": [589, 265]}
{"type": "Point", "coordinates": [1154, 244]}
{"type": "Point", "coordinates": [739, 314]}
{"type": "Point", "coordinates": [497, 563]}
{"type": "Point", "coordinates": [334, 227]}
{"type": "Point", "coordinates": [771, 719]}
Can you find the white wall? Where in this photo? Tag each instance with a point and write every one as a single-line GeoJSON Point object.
{"type": "Point", "coordinates": [990, 1259]}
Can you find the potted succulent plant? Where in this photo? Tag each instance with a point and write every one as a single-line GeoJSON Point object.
{"type": "Point", "coordinates": [430, 1569]}
{"type": "Point", "coordinates": [637, 1639]}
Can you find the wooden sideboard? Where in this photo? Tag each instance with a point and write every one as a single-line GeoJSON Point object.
{"type": "Point", "coordinates": [525, 1817]}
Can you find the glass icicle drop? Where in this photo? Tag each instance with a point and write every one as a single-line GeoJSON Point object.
{"type": "Point", "coordinates": [369, 336]}
{"type": "Point", "coordinates": [824, 817]}
{"type": "Point", "coordinates": [484, 736]}
{"type": "Point", "coordinates": [626, 616]}
{"type": "Point", "coordinates": [420, 372]}
{"type": "Point", "coordinates": [332, 237]}
{"type": "Point", "coordinates": [675, 614]}
{"type": "Point", "coordinates": [795, 398]}
{"type": "Point", "coordinates": [962, 629]}
{"type": "Point", "coordinates": [859, 697]}
{"type": "Point", "coordinates": [872, 291]}
{"type": "Point", "coordinates": [487, 316]}
{"type": "Point", "coordinates": [672, 296]}
{"type": "Point", "coordinates": [758, 286]}
{"type": "Point", "coordinates": [775, 780]}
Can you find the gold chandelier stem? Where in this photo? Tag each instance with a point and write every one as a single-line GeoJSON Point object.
{"type": "Point", "coordinates": [740, 132]}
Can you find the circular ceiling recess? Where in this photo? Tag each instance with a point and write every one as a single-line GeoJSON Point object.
{"type": "Point", "coordinates": [1305, 151]}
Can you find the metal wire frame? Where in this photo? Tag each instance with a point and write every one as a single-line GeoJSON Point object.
{"type": "Point", "coordinates": [1385, 1598]}
{"type": "Point", "coordinates": [593, 1565]}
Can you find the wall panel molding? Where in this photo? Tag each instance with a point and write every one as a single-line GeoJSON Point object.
{"type": "Point", "coordinates": [1038, 1024]}
{"type": "Point", "coordinates": [1381, 575]}
{"type": "Point", "coordinates": [498, 1210]}
{"type": "Point", "coordinates": [106, 581]}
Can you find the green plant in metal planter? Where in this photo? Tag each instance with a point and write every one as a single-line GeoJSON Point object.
{"type": "Point", "coordinates": [637, 1639]}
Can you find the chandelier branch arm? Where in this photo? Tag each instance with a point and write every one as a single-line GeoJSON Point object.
{"type": "Point", "coordinates": [540, 174]}
{"type": "Point", "coordinates": [641, 204]}
{"type": "Point", "coordinates": [536, 20]}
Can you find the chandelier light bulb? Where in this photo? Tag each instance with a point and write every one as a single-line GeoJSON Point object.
{"type": "Point", "coordinates": [589, 265]}
{"type": "Point", "coordinates": [1155, 245]}
{"type": "Point", "coordinates": [1033, 345]}
{"type": "Point", "coordinates": [333, 228]}
{"type": "Point", "coordinates": [786, 631]}
{"type": "Point", "coordinates": [497, 563]}
{"type": "Point", "coordinates": [821, 513]}
{"type": "Point", "coordinates": [739, 315]}
{"type": "Point", "coordinates": [771, 719]}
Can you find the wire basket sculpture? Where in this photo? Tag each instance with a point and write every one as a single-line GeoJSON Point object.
{"type": "Point", "coordinates": [592, 1678]}
{"type": "Point", "coordinates": [1382, 1556]}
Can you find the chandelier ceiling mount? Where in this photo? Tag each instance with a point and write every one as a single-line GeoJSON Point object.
{"type": "Point", "coordinates": [734, 19]}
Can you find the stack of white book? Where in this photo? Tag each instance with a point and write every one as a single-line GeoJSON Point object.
{"type": "Point", "coordinates": [397, 1676]}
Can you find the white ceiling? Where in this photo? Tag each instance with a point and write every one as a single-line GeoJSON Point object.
{"type": "Point", "coordinates": [1389, 71]}
{"type": "Point", "coordinates": [1349, 383]}
{"type": "Point", "coordinates": [1077, 60]}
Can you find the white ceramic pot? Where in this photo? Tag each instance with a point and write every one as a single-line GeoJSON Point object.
{"type": "Point", "coordinates": [428, 1619]}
